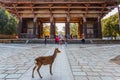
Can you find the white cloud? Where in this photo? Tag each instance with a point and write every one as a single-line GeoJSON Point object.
{"type": "Point", "coordinates": [114, 11]}
{"type": "Point", "coordinates": [60, 26]}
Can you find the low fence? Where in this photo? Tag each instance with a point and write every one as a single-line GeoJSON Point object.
{"type": "Point", "coordinates": [4, 36]}
{"type": "Point", "coordinates": [52, 41]}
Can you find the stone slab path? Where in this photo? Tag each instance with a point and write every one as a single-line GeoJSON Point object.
{"type": "Point", "coordinates": [61, 69]}
{"type": "Point", "coordinates": [92, 62]}
{"type": "Point", "coordinates": [75, 62]}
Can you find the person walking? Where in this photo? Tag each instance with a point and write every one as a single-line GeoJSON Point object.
{"type": "Point", "coordinates": [56, 40]}
{"type": "Point", "coordinates": [83, 41]}
{"type": "Point", "coordinates": [66, 40]}
{"type": "Point", "coordinates": [45, 40]}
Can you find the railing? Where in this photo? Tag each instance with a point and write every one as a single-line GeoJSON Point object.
{"type": "Point", "coordinates": [4, 36]}
{"type": "Point", "coordinates": [26, 35]}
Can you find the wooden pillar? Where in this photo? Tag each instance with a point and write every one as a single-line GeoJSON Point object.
{"type": "Point", "coordinates": [79, 29]}
{"type": "Point", "coordinates": [84, 27]}
{"type": "Point", "coordinates": [40, 29]}
{"type": "Point", "coordinates": [119, 16]}
{"type": "Point", "coordinates": [52, 29]}
{"type": "Point", "coordinates": [34, 27]}
{"type": "Point", "coordinates": [67, 27]}
{"type": "Point", "coordinates": [20, 27]}
{"type": "Point", "coordinates": [51, 26]}
{"type": "Point", "coordinates": [99, 28]}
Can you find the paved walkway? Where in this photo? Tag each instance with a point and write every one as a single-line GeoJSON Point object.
{"type": "Point", "coordinates": [92, 62]}
{"type": "Point", "coordinates": [61, 69]}
{"type": "Point", "coordinates": [75, 62]}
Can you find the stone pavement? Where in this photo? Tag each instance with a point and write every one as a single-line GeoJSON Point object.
{"type": "Point", "coordinates": [16, 59]}
{"type": "Point", "coordinates": [75, 62]}
{"type": "Point", "coordinates": [92, 62]}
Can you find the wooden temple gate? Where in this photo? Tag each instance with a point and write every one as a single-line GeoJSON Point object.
{"type": "Point", "coordinates": [33, 13]}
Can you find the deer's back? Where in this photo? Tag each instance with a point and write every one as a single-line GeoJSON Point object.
{"type": "Point", "coordinates": [44, 60]}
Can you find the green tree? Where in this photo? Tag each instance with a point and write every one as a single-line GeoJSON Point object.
{"type": "Point", "coordinates": [8, 23]}
{"type": "Point", "coordinates": [56, 30]}
{"type": "Point", "coordinates": [46, 30]}
{"type": "Point", "coordinates": [110, 26]}
{"type": "Point", "coordinates": [11, 26]}
{"type": "Point", "coordinates": [118, 1]}
{"type": "Point", "coordinates": [74, 29]}
{"type": "Point", "coordinates": [3, 20]}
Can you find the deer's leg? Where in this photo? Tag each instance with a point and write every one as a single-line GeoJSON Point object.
{"type": "Point", "coordinates": [51, 69]}
{"type": "Point", "coordinates": [38, 71]}
{"type": "Point", "coordinates": [33, 71]}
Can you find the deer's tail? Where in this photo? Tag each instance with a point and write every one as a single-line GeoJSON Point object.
{"type": "Point", "coordinates": [35, 61]}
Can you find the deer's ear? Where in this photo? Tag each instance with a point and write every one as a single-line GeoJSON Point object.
{"type": "Point", "coordinates": [56, 48]}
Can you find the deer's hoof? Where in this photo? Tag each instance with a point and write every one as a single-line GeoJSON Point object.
{"type": "Point", "coordinates": [51, 73]}
{"type": "Point", "coordinates": [32, 76]}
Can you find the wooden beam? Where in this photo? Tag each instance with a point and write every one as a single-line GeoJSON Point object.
{"type": "Point", "coordinates": [56, 7]}
{"type": "Point", "coordinates": [16, 11]}
{"type": "Point", "coordinates": [81, 12]}
{"type": "Point", "coordinates": [39, 2]}
{"type": "Point", "coordinates": [87, 5]}
{"type": "Point", "coordinates": [104, 6]}
{"type": "Point", "coordinates": [31, 6]}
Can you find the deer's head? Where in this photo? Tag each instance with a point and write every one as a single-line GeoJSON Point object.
{"type": "Point", "coordinates": [57, 50]}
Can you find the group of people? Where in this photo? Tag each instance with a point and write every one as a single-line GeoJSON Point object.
{"type": "Point", "coordinates": [59, 40]}
{"type": "Point", "coordinates": [62, 40]}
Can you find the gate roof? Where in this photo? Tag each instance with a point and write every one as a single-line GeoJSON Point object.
{"type": "Point", "coordinates": [59, 9]}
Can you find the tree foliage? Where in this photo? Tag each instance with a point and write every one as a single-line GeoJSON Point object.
{"type": "Point", "coordinates": [74, 29]}
{"type": "Point", "coordinates": [110, 26]}
{"type": "Point", "coordinates": [56, 30]}
{"type": "Point", "coordinates": [46, 30]}
{"type": "Point", "coordinates": [3, 20]}
{"type": "Point", "coordinates": [118, 1]}
{"type": "Point", "coordinates": [11, 26]}
{"type": "Point", "coordinates": [8, 23]}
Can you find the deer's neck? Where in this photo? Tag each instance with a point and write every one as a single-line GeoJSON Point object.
{"type": "Point", "coordinates": [54, 55]}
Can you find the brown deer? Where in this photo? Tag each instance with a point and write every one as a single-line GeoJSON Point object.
{"type": "Point", "coordinates": [44, 60]}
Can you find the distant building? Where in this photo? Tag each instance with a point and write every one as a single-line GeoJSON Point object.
{"type": "Point", "coordinates": [33, 13]}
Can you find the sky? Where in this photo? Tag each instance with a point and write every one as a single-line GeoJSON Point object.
{"type": "Point", "coordinates": [60, 26]}
{"type": "Point", "coordinates": [115, 10]}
